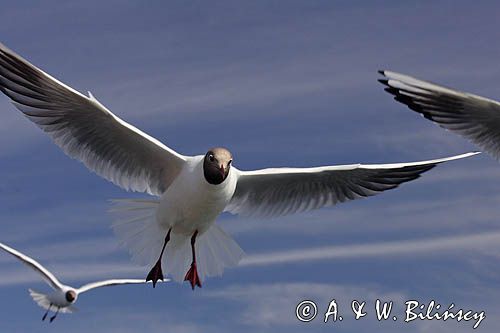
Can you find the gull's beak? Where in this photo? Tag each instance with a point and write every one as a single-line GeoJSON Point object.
{"type": "Point", "coordinates": [221, 168]}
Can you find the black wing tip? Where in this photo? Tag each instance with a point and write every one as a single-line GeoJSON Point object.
{"type": "Point", "coordinates": [385, 82]}
{"type": "Point", "coordinates": [392, 90]}
{"type": "Point", "coordinates": [380, 71]}
{"type": "Point", "coordinates": [403, 99]}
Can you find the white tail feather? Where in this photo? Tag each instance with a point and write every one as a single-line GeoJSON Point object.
{"type": "Point", "coordinates": [43, 301]}
{"type": "Point", "coordinates": [138, 231]}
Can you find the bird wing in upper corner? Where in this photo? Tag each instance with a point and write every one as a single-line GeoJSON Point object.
{"type": "Point", "coordinates": [474, 117]}
{"type": "Point", "coordinates": [86, 130]}
{"type": "Point", "coordinates": [35, 265]}
{"type": "Point", "coordinates": [282, 191]}
{"type": "Point", "coordinates": [113, 282]}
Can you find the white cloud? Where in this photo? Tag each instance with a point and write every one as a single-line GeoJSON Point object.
{"type": "Point", "coordinates": [479, 242]}
{"type": "Point", "coordinates": [273, 305]}
{"type": "Point", "coordinates": [442, 207]}
{"type": "Point", "coordinates": [70, 249]}
{"type": "Point", "coordinates": [68, 273]}
{"type": "Point", "coordinates": [85, 266]}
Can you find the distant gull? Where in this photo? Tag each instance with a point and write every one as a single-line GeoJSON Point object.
{"type": "Point", "coordinates": [191, 191]}
{"type": "Point", "coordinates": [63, 297]}
{"type": "Point", "coordinates": [473, 117]}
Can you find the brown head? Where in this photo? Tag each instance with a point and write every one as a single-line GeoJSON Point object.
{"type": "Point", "coordinates": [70, 296]}
{"type": "Point", "coordinates": [216, 165]}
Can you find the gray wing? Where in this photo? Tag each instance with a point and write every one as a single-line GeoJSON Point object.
{"type": "Point", "coordinates": [281, 191]}
{"type": "Point", "coordinates": [474, 117]}
{"type": "Point", "coordinates": [35, 265]}
{"type": "Point", "coordinates": [113, 282]}
{"type": "Point", "coordinates": [86, 130]}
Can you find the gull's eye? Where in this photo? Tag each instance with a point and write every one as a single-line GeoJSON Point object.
{"type": "Point", "coordinates": [211, 157]}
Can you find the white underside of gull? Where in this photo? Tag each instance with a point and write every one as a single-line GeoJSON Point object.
{"type": "Point", "coordinates": [192, 204]}
{"type": "Point", "coordinates": [185, 198]}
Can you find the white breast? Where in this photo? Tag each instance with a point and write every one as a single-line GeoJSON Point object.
{"type": "Point", "coordinates": [58, 298]}
{"type": "Point", "coordinates": [191, 203]}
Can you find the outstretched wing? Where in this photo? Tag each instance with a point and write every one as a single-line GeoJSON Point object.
{"type": "Point", "coordinates": [281, 191]}
{"type": "Point", "coordinates": [86, 130]}
{"type": "Point", "coordinates": [474, 117]}
{"type": "Point", "coordinates": [35, 265]}
{"type": "Point", "coordinates": [112, 282]}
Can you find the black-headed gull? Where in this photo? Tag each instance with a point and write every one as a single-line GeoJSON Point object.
{"type": "Point", "coordinates": [474, 117]}
{"type": "Point", "coordinates": [63, 297]}
{"type": "Point", "coordinates": [192, 190]}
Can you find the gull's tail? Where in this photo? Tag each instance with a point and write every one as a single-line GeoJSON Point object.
{"type": "Point", "coordinates": [43, 301]}
{"type": "Point", "coordinates": [138, 231]}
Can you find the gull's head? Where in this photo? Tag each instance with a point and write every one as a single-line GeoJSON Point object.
{"type": "Point", "coordinates": [71, 296]}
{"type": "Point", "coordinates": [216, 165]}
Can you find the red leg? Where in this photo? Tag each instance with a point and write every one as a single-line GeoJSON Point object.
{"type": "Point", "coordinates": [156, 273]}
{"type": "Point", "coordinates": [192, 274]}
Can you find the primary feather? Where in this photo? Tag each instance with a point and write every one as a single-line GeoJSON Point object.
{"type": "Point", "coordinates": [35, 265]}
{"type": "Point", "coordinates": [474, 117]}
{"type": "Point", "coordinates": [281, 191]}
{"type": "Point", "coordinates": [88, 131]}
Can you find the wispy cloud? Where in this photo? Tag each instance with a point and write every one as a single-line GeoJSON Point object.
{"type": "Point", "coordinates": [75, 249]}
{"type": "Point", "coordinates": [432, 214]}
{"type": "Point", "coordinates": [49, 220]}
{"type": "Point", "coordinates": [290, 85]}
{"type": "Point", "coordinates": [274, 304]}
{"type": "Point", "coordinates": [417, 247]}
{"type": "Point", "coordinates": [483, 243]}
{"type": "Point", "coordinates": [71, 272]}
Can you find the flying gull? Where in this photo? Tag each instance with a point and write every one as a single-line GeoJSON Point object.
{"type": "Point", "coordinates": [190, 191]}
{"type": "Point", "coordinates": [63, 297]}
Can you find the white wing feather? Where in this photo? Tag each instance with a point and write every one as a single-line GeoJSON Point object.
{"type": "Point", "coordinates": [88, 131]}
{"type": "Point", "coordinates": [474, 117]}
{"type": "Point", "coordinates": [281, 191]}
{"type": "Point", "coordinates": [112, 282]}
{"type": "Point", "coordinates": [35, 265]}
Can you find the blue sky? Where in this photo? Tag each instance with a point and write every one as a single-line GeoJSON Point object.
{"type": "Point", "coordinates": [280, 84]}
